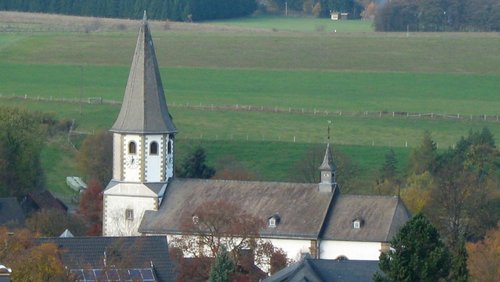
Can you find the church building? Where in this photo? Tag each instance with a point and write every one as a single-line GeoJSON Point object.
{"type": "Point", "coordinates": [145, 198]}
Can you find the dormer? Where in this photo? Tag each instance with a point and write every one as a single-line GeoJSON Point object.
{"type": "Point", "coordinates": [273, 221]}
{"type": "Point", "coordinates": [357, 223]}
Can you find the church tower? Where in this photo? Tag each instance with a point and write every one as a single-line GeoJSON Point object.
{"type": "Point", "coordinates": [143, 145]}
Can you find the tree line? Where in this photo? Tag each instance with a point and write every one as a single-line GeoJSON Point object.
{"type": "Point", "coordinates": [456, 189]}
{"type": "Point", "coordinates": [177, 10]}
{"type": "Point", "coordinates": [438, 15]}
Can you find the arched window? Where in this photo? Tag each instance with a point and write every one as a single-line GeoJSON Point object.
{"type": "Point", "coordinates": [169, 147]}
{"type": "Point", "coordinates": [153, 148]}
{"type": "Point", "coordinates": [132, 148]}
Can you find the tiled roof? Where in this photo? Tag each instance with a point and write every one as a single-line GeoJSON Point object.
{"type": "Point", "coordinates": [380, 218]}
{"type": "Point", "coordinates": [11, 213]}
{"type": "Point", "coordinates": [320, 270]}
{"type": "Point", "coordinates": [120, 252]}
{"type": "Point", "coordinates": [301, 207]}
{"type": "Point", "coordinates": [144, 108]}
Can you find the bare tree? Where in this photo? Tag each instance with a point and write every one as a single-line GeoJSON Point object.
{"type": "Point", "coordinates": [306, 169]}
{"type": "Point", "coordinates": [218, 223]}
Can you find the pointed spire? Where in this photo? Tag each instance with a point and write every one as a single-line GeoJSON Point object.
{"type": "Point", "coordinates": [327, 163]}
{"type": "Point", "coordinates": [328, 159]}
{"type": "Point", "coordinates": [144, 108]}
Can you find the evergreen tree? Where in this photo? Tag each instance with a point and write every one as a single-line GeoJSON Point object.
{"type": "Point", "coordinates": [222, 267]}
{"type": "Point", "coordinates": [424, 157]}
{"type": "Point", "coordinates": [417, 254]}
{"type": "Point", "coordinates": [459, 272]}
{"type": "Point", "coordinates": [194, 166]}
{"type": "Point", "coordinates": [389, 170]}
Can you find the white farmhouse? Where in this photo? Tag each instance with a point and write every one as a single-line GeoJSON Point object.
{"type": "Point", "coordinates": [145, 198]}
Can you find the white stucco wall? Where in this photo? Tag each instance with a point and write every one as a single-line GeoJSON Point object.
{"type": "Point", "coordinates": [117, 156]}
{"type": "Point", "coordinates": [132, 174]}
{"type": "Point", "coordinates": [153, 163]}
{"type": "Point", "coordinates": [294, 248]}
{"type": "Point", "coordinates": [353, 250]}
{"type": "Point", "coordinates": [115, 222]}
{"type": "Point", "coordinates": [169, 160]}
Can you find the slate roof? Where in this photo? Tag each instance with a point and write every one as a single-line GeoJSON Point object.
{"type": "Point", "coordinates": [381, 218]}
{"type": "Point", "coordinates": [304, 211]}
{"type": "Point", "coordinates": [301, 207]}
{"type": "Point", "coordinates": [154, 187]}
{"type": "Point", "coordinates": [135, 252]}
{"type": "Point", "coordinates": [11, 213]}
{"type": "Point", "coordinates": [320, 270]}
{"type": "Point", "coordinates": [144, 108]}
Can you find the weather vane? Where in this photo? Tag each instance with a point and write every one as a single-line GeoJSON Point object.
{"type": "Point", "coordinates": [329, 122]}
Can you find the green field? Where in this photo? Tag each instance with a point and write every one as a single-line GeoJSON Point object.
{"type": "Point", "coordinates": [338, 75]}
{"type": "Point", "coordinates": [293, 23]}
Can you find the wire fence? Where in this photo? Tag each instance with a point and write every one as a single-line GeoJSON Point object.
{"type": "Point", "coordinates": [276, 109]}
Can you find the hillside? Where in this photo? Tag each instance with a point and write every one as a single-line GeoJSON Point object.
{"type": "Point", "coordinates": [229, 85]}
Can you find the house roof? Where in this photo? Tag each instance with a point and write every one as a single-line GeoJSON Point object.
{"type": "Point", "coordinates": [45, 200]}
{"type": "Point", "coordinates": [144, 108]}
{"type": "Point", "coordinates": [122, 252]}
{"type": "Point", "coordinates": [11, 213]}
{"type": "Point", "coordinates": [153, 187]}
{"type": "Point", "coordinates": [380, 216]}
{"type": "Point", "coordinates": [304, 211]}
{"type": "Point", "coordinates": [114, 275]}
{"type": "Point", "coordinates": [301, 207]}
{"type": "Point", "coordinates": [320, 270]}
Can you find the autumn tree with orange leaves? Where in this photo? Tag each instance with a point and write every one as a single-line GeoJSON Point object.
{"type": "Point", "coordinates": [90, 207]}
{"type": "Point", "coordinates": [484, 257]}
{"type": "Point", "coordinates": [30, 261]}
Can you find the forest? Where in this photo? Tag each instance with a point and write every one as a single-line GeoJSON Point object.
{"type": "Point", "coordinates": [397, 15]}
{"type": "Point", "coordinates": [176, 10]}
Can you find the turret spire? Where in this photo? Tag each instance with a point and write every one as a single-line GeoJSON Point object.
{"type": "Point", "coordinates": [328, 169]}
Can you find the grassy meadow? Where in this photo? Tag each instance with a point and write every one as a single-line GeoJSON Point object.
{"type": "Point", "coordinates": [267, 62]}
{"type": "Point", "coordinates": [294, 23]}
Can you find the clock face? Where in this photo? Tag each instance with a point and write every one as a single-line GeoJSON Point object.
{"type": "Point", "coordinates": [131, 161]}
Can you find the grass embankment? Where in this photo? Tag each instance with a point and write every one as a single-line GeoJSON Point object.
{"type": "Point", "coordinates": [350, 72]}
